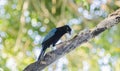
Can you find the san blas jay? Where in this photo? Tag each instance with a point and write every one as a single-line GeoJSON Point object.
{"type": "Point", "coordinates": [52, 37]}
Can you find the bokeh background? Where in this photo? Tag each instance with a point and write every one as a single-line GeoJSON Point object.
{"type": "Point", "coordinates": [24, 24]}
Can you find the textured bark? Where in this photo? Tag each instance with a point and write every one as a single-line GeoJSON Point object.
{"type": "Point", "coordinates": [67, 46]}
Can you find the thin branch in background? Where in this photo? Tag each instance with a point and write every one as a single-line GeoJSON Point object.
{"type": "Point", "coordinates": [22, 23]}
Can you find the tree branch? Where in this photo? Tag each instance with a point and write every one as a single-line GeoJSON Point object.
{"type": "Point", "coordinates": [67, 46]}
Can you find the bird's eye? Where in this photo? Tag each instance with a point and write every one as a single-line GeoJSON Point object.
{"type": "Point", "coordinates": [67, 28]}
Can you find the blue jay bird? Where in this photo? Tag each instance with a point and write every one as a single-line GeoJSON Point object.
{"type": "Point", "coordinates": [52, 37]}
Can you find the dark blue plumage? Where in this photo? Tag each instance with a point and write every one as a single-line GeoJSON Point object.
{"type": "Point", "coordinates": [52, 37]}
{"type": "Point", "coordinates": [50, 34]}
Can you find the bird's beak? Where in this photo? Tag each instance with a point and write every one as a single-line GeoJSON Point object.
{"type": "Point", "coordinates": [69, 33]}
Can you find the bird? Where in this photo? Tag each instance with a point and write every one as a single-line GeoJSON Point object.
{"type": "Point", "coordinates": [52, 37]}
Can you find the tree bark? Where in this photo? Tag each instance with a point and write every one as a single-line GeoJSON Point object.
{"type": "Point", "coordinates": [67, 46]}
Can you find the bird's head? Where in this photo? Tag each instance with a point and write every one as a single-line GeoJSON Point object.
{"type": "Point", "coordinates": [68, 29]}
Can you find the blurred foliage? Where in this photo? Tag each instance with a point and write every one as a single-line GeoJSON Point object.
{"type": "Point", "coordinates": [24, 23]}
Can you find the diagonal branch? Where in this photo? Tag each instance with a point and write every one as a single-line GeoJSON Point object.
{"type": "Point", "coordinates": [67, 46]}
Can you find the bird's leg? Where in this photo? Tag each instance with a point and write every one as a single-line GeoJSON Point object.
{"type": "Point", "coordinates": [52, 48]}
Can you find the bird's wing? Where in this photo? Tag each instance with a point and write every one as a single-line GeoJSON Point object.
{"type": "Point", "coordinates": [50, 34]}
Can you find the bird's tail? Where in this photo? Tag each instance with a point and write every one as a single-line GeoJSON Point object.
{"type": "Point", "coordinates": [41, 54]}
